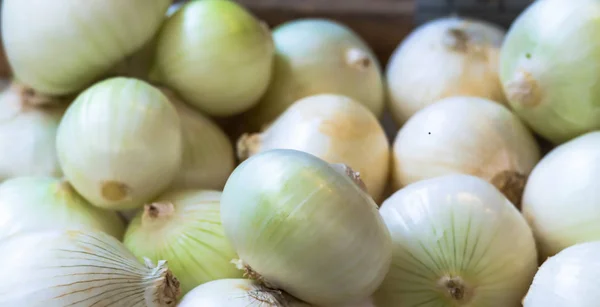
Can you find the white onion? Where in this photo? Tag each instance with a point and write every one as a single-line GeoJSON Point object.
{"type": "Point", "coordinates": [80, 269]}
{"type": "Point", "coordinates": [569, 279]}
{"type": "Point", "coordinates": [562, 199]}
{"type": "Point", "coordinates": [457, 242]}
{"type": "Point", "coordinates": [466, 135]}
{"type": "Point", "coordinates": [305, 227]}
{"type": "Point", "coordinates": [120, 143]}
{"type": "Point", "coordinates": [40, 203]}
{"type": "Point", "coordinates": [445, 57]}
{"type": "Point", "coordinates": [334, 128]}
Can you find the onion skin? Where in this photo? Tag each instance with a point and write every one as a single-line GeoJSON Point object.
{"type": "Point", "coordinates": [549, 68]}
{"type": "Point", "coordinates": [443, 58]}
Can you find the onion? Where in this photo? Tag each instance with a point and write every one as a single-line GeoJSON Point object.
{"type": "Point", "coordinates": [443, 58]}
{"type": "Point", "coordinates": [562, 200]}
{"type": "Point", "coordinates": [305, 227]}
{"type": "Point", "coordinates": [550, 66]}
{"type": "Point", "coordinates": [457, 242]}
{"type": "Point", "coordinates": [27, 134]}
{"type": "Point", "coordinates": [216, 55]}
{"type": "Point", "coordinates": [466, 135]}
{"type": "Point", "coordinates": [119, 144]}
{"type": "Point", "coordinates": [319, 56]}
{"type": "Point", "coordinates": [80, 268]}
{"type": "Point", "coordinates": [40, 203]}
{"type": "Point", "coordinates": [334, 128]}
{"type": "Point", "coordinates": [60, 47]}
{"type": "Point", "coordinates": [184, 228]}
{"type": "Point", "coordinates": [569, 279]}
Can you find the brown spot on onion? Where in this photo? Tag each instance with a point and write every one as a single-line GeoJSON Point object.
{"type": "Point", "coordinates": [114, 191]}
{"type": "Point", "coordinates": [511, 184]}
{"type": "Point", "coordinates": [524, 90]}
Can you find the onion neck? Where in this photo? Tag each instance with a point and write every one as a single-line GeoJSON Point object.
{"type": "Point", "coordinates": [30, 98]}
{"type": "Point", "coordinates": [350, 173]}
{"type": "Point", "coordinates": [158, 212]}
{"type": "Point", "coordinates": [523, 90]}
{"type": "Point", "coordinates": [358, 58]}
{"type": "Point", "coordinates": [511, 184]}
{"type": "Point", "coordinates": [456, 289]}
{"type": "Point", "coordinates": [248, 145]}
{"type": "Point", "coordinates": [165, 288]}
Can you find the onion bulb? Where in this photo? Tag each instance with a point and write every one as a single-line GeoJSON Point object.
{"type": "Point", "coordinates": [562, 200]}
{"type": "Point", "coordinates": [80, 268]}
{"type": "Point", "coordinates": [443, 58]}
{"type": "Point", "coordinates": [40, 203]}
{"type": "Point", "coordinates": [120, 143]}
{"type": "Point", "coordinates": [466, 135]}
{"type": "Point", "coordinates": [550, 66]}
{"type": "Point", "coordinates": [302, 226]}
{"type": "Point", "coordinates": [184, 228]}
{"type": "Point", "coordinates": [60, 47]}
{"type": "Point", "coordinates": [216, 55]}
{"type": "Point", "coordinates": [28, 134]}
{"type": "Point", "coordinates": [457, 242]}
{"type": "Point", "coordinates": [569, 279]}
{"type": "Point", "coordinates": [319, 56]}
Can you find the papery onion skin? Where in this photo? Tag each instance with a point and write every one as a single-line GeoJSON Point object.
{"type": "Point", "coordinates": [60, 47]}
{"type": "Point", "coordinates": [216, 55]}
{"type": "Point", "coordinates": [80, 269]}
{"type": "Point", "coordinates": [43, 203]}
{"type": "Point", "coordinates": [549, 68]}
{"type": "Point", "coordinates": [319, 56]}
{"type": "Point", "coordinates": [457, 242]}
{"type": "Point", "coordinates": [568, 279]}
{"type": "Point", "coordinates": [562, 200]}
{"type": "Point", "coordinates": [443, 58]}
{"type": "Point", "coordinates": [184, 228]}
{"type": "Point", "coordinates": [120, 143]}
{"type": "Point", "coordinates": [467, 135]}
{"type": "Point", "coordinates": [300, 225]}
{"type": "Point", "coordinates": [334, 128]}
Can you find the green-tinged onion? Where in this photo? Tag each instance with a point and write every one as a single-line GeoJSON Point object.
{"type": "Point", "coordinates": [319, 56]}
{"type": "Point", "coordinates": [457, 241]}
{"type": "Point", "coordinates": [216, 55]}
{"type": "Point", "coordinates": [446, 57]}
{"type": "Point", "coordinates": [306, 227]}
{"type": "Point", "coordinates": [569, 279]}
{"type": "Point", "coordinates": [550, 68]}
{"type": "Point", "coordinates": [40, 203]}
{"type": "Point", "coordinates": [184, 228]}
{"type": "Point", "coordinates": [120, 143]}
{"type": "Point", "coordinates": [80, 269]}
{"type": "Point", "coordinates": [59, 47]}
{"type": "Point", "coordinates": [334, 128]}
{"type": "Point", "coordinates": [562, 199]}
{"type": "Point", "coordinates": [466, 135]}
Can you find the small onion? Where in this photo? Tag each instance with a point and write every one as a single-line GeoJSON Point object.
{"type": "Point", "coordinates": [305, 227]}
{"type": "Point", "coordinates": [40, 203]}
{"type": "Point", "coordinates": [443, 58]}
{"type": "Point", "coordinates": [550, 68]}
{"type": "Point", "coordinates": [466, 135]}
{"type": "Point", "coordinates": [569, 279]}
{"type": "Point", "coordinates": [562, 199]}
{"type": "Point", "coordinates": [59, 47]}
{"type": "Point", "coordinates": [184, 228]}
{"type": "Point", "coordinates": [334, 128]}
{"type": "Point", "coordinates": [80, 269]}
{"type": "Point", "coordinates": [120, 143]}
{"type": "Point", "coordinates": [216, 55]}
{"type": "Point", "coordinates": [319, 56]}
{"type": "Point", "coordinates": [457, 242]}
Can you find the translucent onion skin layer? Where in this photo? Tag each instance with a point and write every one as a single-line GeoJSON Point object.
{"type": "Point", "coordinates": [569, 279]}
{"type": "Point", "coordinates": [444, 58]}
{"type": "Point", "coordinates": [41, 203]}
{"type": "Point", "coordinates": [190, 237]}
{"type": "Point", "coordinates": [562, 200]}
{"type": "Point", "coordinates": [303, 226]}
{"type": "Point", "coordinates": [59, 47]}
{"type": "Point", "coordinates": [79, 269]}
{"type": "Point", "coordinates": [120, 143]}
{"type": "Point", "coordinates": [216, 55]}
{"type": "Point", "coordinates": [549, 68]}
{"type": "Point", "coordinates": [460, 229]}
